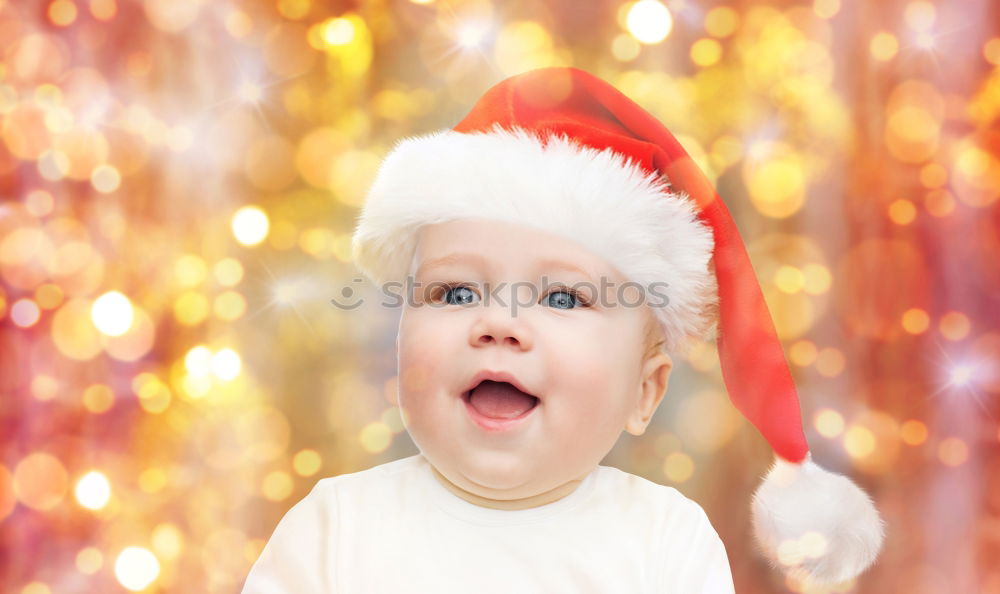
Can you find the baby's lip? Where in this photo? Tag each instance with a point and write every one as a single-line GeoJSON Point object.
{"type": "Point", "coordinates": [496, 376]}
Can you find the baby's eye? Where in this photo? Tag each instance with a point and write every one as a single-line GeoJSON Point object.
{"type": "Point", "coordinates": [459, 295]}
{"type": "Point", "coordinates": [564, 298]}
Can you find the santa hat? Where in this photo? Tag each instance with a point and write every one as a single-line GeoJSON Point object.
{"type": "Point", "coordinates": [561, 150]}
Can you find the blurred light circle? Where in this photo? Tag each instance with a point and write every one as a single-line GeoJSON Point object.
{"type": "Point", "coordinates": [338, 31]}
{"type": "Point", "coordinates": [49, 296]}
{"type": "Point", "coordinates": [74, 333]}
{"type": "Point", "coordinates": [93, 491]}
{"type": "Point", "coordinates": [190, 270]}
{"type": "Point", "coordinates": [953, 451]}
{"type": "Point", "coordinates": [721, 21]}
{"type": "Point", "coordinates": [136, 568]}
{"type": "Point", "coordinates": [98, 398]}
{"type": "Point", "coordinates": [859, 442]}
{"type": "Point", "coordinates": [913, 432]}
{"type": "Point", "coordinates": [777, 183]}
{"type": "Point", "coordinates": [883, 46]}
{"type": "Point", "coordinates": [105, 179]}
{"type": "Point", "coordinates": [706, 52]}
{"type": "Point", "coordinates": [277, 486]}
{"type": "Point", "coordinates": [706, 421]}
{"type": "Point", "coordinates": [902, 211]}
{"type": "Point", "coordinates": [649, 21]}
{"type": "Point", "coordinates": [803, 353]}
{"type": "Point", "coordinates": [915, 321]}
{"type": "Point", "coordinates": [168, 540]}
{"type": "Point", "coordinates": [172, 16]}
{"type": "Point", "coordinates": [919, 15]}
{"type": "Point", "coordinates": [228, 271]}
{"type": "Point", "coordinates": [375, 437]}
{"type": "Point", "coordinates": [191, 308]}
{"type": "Point", "coordinates": [40, 481]}
{"type": "Point", "coordinates": [830, 362]}
{"type": "Point", "coordinates": [678, 467]}
{"type": "Point", "coordinates": [307, 462]}
{"type": "Point", "coordinates": [36, 58]}
{"type": "Point", "coordinates": [829, 423]}
{"type": "Point", "coordinates": [112, 313]}
{"type": "Point", "coordinates": [24, 313]}
{"type": "Point", "coordinates": [250, 225]}
{"type": "Point", "coordinates": [226, 364]}
{"type": "Point", "coordinates": [954, 325]}
{"type": "Point", "coordinates": [62, 13]}
{"type": "Point", "coordinates": [524, 45]}
{"type": "Point", "coordinates": [36, 588]}
{"type": "Point", "coordinates": [198, 361]}
{"type": "Point", "coordinates": [230, 306]}
{"type": "Point", "coordinates": [625, 48]}
{"type": "Point", "coordinates": [89, 560]}
{"type": "Point", "coordinates": [137, 342]}
{"type": "Point", "coordinates": [103, 10]}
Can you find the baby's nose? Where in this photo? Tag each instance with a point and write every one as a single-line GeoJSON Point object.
{"type": "Point", "coordinates": [498, 325]}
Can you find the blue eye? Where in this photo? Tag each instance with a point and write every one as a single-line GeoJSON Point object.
{"type": "Point", "coordinates": [564, 299]}
{"type": "Point", "coordinates": [460, 295]}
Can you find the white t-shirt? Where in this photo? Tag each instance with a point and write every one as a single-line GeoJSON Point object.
{"type": "Point", "coordinates": [395, 529]}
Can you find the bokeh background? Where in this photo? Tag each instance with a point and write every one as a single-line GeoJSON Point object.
{"type": "Point", "coordinates": [179, 181]}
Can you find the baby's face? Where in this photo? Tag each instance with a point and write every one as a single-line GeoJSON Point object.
{"type": "Point", "coordinates": [578, 359]}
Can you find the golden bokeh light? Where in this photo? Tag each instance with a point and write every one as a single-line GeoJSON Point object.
{"type": "Point", "coordinates": [913, 432]}
{"type": "Point", "coordinates": [678, 467]}
{"type": "Point", "coordinates": [136, 568]}
{"type": "Point", "coordinates": [721, 21]}
{"type": "Point", "coordinates": [93, 491]}
{"type": "Point", "coordinates": [902, 212]}
{"type": "Point", "coordinates": [954, 325]}
{"type": "Point", "coordinates": [649, 21]}
{"type": "Point", "coordinates": [776, 180]}
{"type": "Point", "coordinates": [277, 486]}
{"type": "Point", "coordinates": [40, 481]}
{"type": "Point", "coordinates": [168, 541]}
{"type": "Point", "coordinates": [112, 313]}
{"type": "Point", "coordinates": [307, 462]}
{"type": "Point", "coordinates": [803, 353]}
{"type": "Point", "coordinates": [883, 46]}
{"type": "Point", "coordinates": [829, 423]}
{"type": "Point", "coordinates": [250, 225]}
{"type": "Point", "coordinates": [375, 437]}
{"type": "Point", "coordinates": [859, 442]}
{"type": "Point", "coordinates": [916, 321]}
{"type": "Point", "coordinates": [89, 560]}
{"type": "Point", "coordinates": [953, 451]}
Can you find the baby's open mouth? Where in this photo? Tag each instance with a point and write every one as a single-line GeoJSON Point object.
{"type": "Point", "coordinates": [499, 400]}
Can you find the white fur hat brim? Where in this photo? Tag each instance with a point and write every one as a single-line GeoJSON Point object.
{"type": "Point", "coordinates": [598, 198]}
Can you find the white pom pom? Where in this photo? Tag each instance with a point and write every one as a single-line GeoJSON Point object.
{"type": "Point", "coordinates": [815, 523]}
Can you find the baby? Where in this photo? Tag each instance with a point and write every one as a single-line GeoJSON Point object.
{"type": "Point", "coordinates": [556, 247]}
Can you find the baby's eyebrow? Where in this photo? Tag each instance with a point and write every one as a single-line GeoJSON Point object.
{"type": "Point", "coordinates": [456, 258]}
{"type": "Point", "coordinates": [544, 265]}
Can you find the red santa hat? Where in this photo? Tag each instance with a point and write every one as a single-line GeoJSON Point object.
{"type": "Point", "coordinates": [564, 151]}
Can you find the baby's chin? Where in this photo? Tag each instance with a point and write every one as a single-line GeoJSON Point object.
{"type": "Point", "coordinates": [505, 477]}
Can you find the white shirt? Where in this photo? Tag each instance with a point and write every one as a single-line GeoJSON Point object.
{"type": "Point", "coordinates": [395, 529]}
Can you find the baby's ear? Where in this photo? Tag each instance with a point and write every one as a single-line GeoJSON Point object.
{"type": "Point", "coordinates": [652, 387]}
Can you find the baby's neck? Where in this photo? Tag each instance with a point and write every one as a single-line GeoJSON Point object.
{"type": "Point", "coordinates": [509, 504]}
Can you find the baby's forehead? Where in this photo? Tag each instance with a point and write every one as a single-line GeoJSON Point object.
{"type": "Point", "coordinates": [513, 246]}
